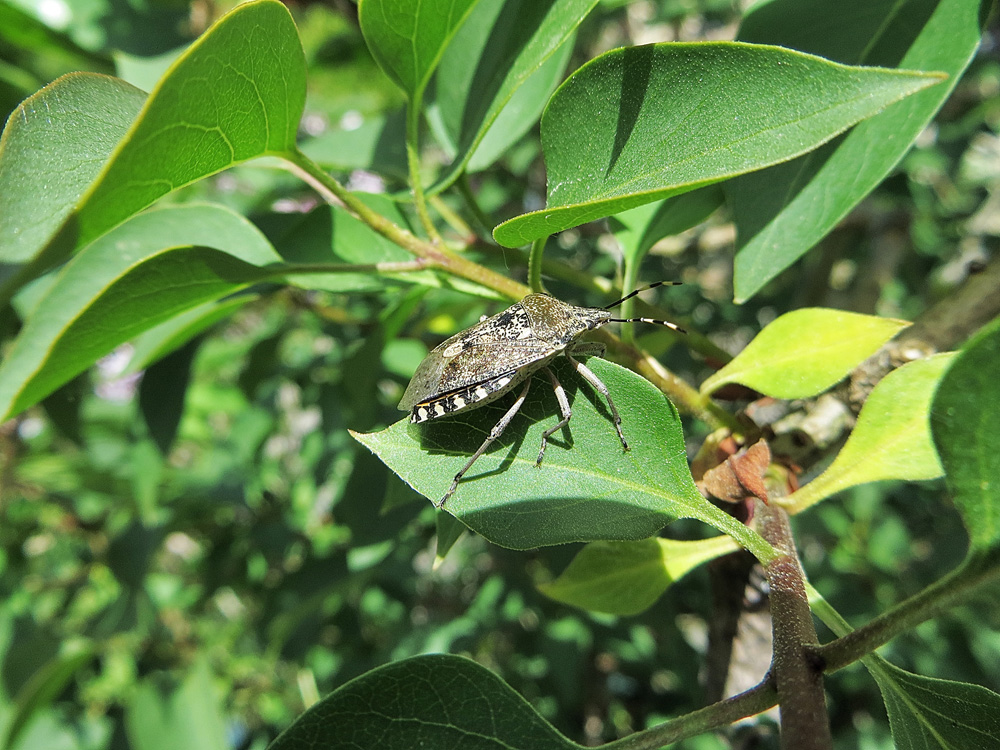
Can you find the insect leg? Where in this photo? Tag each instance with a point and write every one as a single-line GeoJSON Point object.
{"type": "Point", "coordinates": [588, 349]}
{"type": "Point", "coordinates": [603, 389]}
{"type": "Point", "coordinates": [496, 432]}
{"type": "Point", "coordinates": [563, 407]}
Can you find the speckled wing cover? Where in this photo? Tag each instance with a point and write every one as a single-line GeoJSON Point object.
{"type": "Point", "coordinates": [476, 366]}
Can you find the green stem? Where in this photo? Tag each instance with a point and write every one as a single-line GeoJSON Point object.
{"type": "Point", "coordinates": [535, 264]}
{"type": "Point", "coordinates": [752, 702]}
{"type": "Point", "coordinates": [413, 162]}
{"type": "Point", "coordinates": [685, 396]}
{"type": "Point", "coordinates": [437, 256]}
{"type": "Point", "coordinates": [943, 594]}
{"type": "Point", "coordinates": [630, 276]}
{"type": "Point", "coordinates": [452, 219]}
{"type": "Point", "coordinates": [746, 537]}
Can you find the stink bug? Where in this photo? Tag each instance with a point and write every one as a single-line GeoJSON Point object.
{"type": "Point", "coordinates": [484, 362]}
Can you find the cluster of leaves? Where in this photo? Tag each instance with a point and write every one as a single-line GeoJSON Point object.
{"type": "Point", "coordinates": [224, 527]}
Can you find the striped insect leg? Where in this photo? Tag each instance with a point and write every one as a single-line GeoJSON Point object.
{"type": "Point", "coordinates": [591, 378]}
{"type": "Point", "coordinates": [563, 407]}
{"type": "Point", "coordinates": [496, 432]}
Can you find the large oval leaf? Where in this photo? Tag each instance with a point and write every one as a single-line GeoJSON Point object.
{"type": "Point", "coordinates": [236, 94]}
{"type": "Point", "coordinates": [626, 578]}
{"type": "Point", "coordinates": [494, 55]}
{"type": "Point", "coordinates": [781, 212]}
{"type": "Point", "coordinates": [926, 713]}
{"type": "Point", "coordinates": [892, 439]}
{"type": "Point", "coordinates": [432, 701]}
{"type": "Point", "coordinates": [643, 123]}
{"type": "Point", "coordinates": [124, 284]}
{"type": "Point", "coordinates": [586, 489]}
{"type": "Point", "coordinates": [965, 421]}
{"type": "Point", "coordinates": [804, 352]}
{"type": "Point", "coordinates": [70, 129]}
{"type": "Point", "coordinates": [407, 39]}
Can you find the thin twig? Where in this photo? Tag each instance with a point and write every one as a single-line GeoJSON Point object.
{"type": "Point", "coordinates": [752, 702]}
{"type": "Point", "coordinates": [943, 594]}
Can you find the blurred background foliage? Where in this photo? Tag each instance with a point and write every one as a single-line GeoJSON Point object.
{"type": "Point", "coordinates": [203, 597]}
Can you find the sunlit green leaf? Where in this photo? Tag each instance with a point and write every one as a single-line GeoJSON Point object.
{"type": "Point", "coordinates": [926, 713]}
{"type": "Point", "coordinates": [892, 439]}
{"type": "Point", "coordinates": [586, 489]}
{"type": "Point", "coordinates": [433, 701]}
{"type": "Point", "coordinates": [236, 94]}
{"type": "Point", "coordinates": [124, 284]}
{"type": "Point", "coordinates": [806, 351]}
{"type": "Point", "coordinates": [68, 128]}
{"type": "Point", "coordinates": [626, 578]}
{"type": "Point", "coordinates": [642, 123]}
{"type": "Point", "coordinates": [408, 39]}
{"type": "Point", "coordinates": [781, 212]}
{"type": "Point", "coordinates": [965, 421]}
{"type": "Point", "coordinates": [493, 56]}
{"type": "Point", "coordinates": [160, 716]}
{"type": "Point", "coordinates": [43, 687]}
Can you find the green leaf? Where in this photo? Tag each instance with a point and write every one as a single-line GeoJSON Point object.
{"type": "Point", "coordinates": [170, 335]}
{"type": "Point", "coordinates": [643, 123]}
{"type": "Point", "coordinates": [644, 226]}
{"type": "Point", "coordinates": [892, 438]}
{"type": "Point", "coordinates": [626, 578]}
{"type": "Point", "coordinates": [44, 687]}
{"type": "Point", "coordinates": [965, 422]}
{"type": "Point", "coordinates": [926, 713]}
{"type": "Point", "coordinates": [408, 39]}
{"type": "Point", "coordinates": [124, 284]}
{"type": "Point", "coordinates": [638, 229]}
{"type": "Point", "coordinates": [496, 53]}
{"type": "Point", "coordinates": [378, 145]}
{"type": "Point", "coordinates": [523, 110]}
{"type": "Point", "coordinates": [164, 717]}
{"type": "Point", "coordinates": [781, 212]}
{"type": "Point", "coordinates": [329, 234]}
{"type": "Point", "coordinates": [586, 488]}
{"type": "Point", "coordinates": [69, 128]}
{"type": "Point", "coordinates": [804, 352]}
{"type": "Point", "coordinates": [236, 94]}
{"type": "Point", "coordinates": [432, 701]}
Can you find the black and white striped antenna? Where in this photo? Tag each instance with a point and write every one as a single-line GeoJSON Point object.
{"type": "Point", "coordinates": [631, 294]}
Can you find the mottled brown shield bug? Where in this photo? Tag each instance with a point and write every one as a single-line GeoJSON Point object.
{"type": "Point", "coordinates": [484, 362]}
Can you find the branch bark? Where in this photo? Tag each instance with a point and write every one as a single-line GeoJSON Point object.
{"type": "Point", "coordinates": [797, 673]}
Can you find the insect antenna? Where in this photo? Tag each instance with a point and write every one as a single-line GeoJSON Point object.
{"type": "Point", "coordinates": [630, 295]}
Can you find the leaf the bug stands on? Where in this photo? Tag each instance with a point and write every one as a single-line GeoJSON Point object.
{"type": "Point", "coordinates": [485, 362]}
